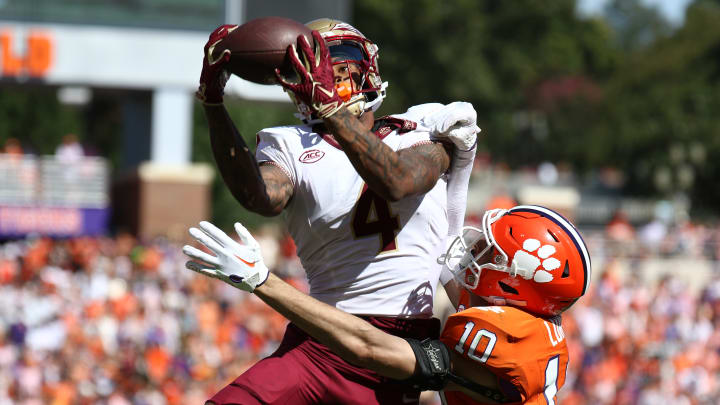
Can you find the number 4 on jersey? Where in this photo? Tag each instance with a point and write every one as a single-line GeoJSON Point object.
{"type": "Point", "coordinates": [372, 216]}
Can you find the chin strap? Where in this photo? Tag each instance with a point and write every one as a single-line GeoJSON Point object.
{"type": "Point", "coordinates": [369, 106]}
{"type": "Point", "coordinates": [515, 270]}
{"type": "Point", "coordinates": [375, 104]}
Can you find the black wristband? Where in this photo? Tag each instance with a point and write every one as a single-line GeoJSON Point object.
{"type": "Point", "coordinates": [433, 364]}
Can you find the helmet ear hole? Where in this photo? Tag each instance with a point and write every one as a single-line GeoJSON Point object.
{"type": "Point", "coordinates": [507, 289]}
{"type": "Point", "coordinates": [566, 270]}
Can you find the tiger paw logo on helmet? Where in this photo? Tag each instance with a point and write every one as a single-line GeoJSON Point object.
{"type": "Point", "coordinates": [534, 255]}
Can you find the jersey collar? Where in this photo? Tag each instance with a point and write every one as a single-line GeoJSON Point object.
{"type": "Point", "coordinates": [382, 127]}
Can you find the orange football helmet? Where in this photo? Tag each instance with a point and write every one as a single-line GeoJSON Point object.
{"type": "Point", "coordinates": [529, 257]}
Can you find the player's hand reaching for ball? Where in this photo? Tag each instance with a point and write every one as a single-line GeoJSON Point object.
{"type": "Point", "coordinates": [214, 74]}
{"type": "Point", "coordinates": [316, 86]}
{"type": "Point", "coordinates": [238, 264]}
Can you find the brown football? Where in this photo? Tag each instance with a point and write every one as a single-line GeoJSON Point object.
{"type": "Point", "coordinates": [258, 47]}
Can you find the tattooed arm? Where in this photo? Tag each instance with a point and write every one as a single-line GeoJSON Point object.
{"type": "Point", "coordinates": [393, 175]}
{"type": "Point", "coordinates": [263, 189]}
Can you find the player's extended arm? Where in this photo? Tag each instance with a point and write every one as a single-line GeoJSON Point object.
{"type": "Point", "coordinates": [263, 189]}
{"type": "Point", "coordinates": [393, 175]}
{"type": "Point", "coordinates": [352, 338]}
{"type": "Point", "coordinates": [362, 344]}
{"type": "Point", "coordinates": [241, 265]}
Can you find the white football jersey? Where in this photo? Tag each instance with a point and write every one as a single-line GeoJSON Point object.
{"type": "Point", "coordinates": [361, 253]}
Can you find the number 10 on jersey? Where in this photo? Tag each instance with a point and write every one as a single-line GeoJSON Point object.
{"type": "Point", "coordinates": [372, 216]}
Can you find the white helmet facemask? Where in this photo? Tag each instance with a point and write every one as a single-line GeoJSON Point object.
{"type": "Point", "coordinates": [473, 251]}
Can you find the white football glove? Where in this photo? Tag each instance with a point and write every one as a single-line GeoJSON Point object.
{"type": "Point", "coordinates": [241, 266]}
{"type": "Point", "coordinates": [457, 122]}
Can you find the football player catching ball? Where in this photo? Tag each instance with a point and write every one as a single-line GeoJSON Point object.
{"type": "Point", "coordinates": [366, 201]}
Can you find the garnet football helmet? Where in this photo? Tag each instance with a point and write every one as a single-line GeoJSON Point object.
{"type": "Point", "coordinates": [349, 46]}
{"type": "Point", "coordinates": [529, 257]}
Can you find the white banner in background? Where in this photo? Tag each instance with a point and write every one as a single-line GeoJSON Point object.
{"type": "Point", "coordinates": [112, 57]}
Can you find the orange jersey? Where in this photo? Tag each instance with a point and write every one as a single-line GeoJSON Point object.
{"type": "Point", "coordinates": [519, 348]}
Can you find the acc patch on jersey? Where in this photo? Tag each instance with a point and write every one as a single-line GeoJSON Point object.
{"type": "Point", "coordinates": [311, 156]}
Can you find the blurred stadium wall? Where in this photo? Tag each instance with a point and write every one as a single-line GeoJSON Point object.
{"type": "Point", "coordinates": [145, 57]}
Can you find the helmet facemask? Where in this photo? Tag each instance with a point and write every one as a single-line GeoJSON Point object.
{"type": "Point", "coordinates": [466, 255]}
{"type": "Point", "coordinates": [476, 250]}
{"type": "Point", "coordinates": [351, 76]}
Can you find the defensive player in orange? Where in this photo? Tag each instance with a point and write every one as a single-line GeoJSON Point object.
{"type": "Point", "coordinates": [511, 281]}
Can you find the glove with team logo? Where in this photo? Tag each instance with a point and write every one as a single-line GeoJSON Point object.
{"type": "Point", "coordinates": [456, 122]}
{"type": "Point", "coordinates": [214, 76]}
{"type": "Point", "coordinates": [316, 86]}
{"type": "Point", "coordinates": [238, 264]}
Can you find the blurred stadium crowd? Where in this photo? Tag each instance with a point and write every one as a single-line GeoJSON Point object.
{"type": "Point", "coordinates": [119, 321]}
{"type": "Point", "coordinates": [115, 321]}
{"type": "Point", "coordinates": [634, 342]}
